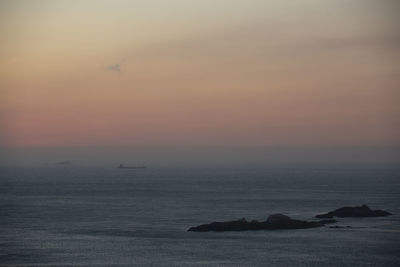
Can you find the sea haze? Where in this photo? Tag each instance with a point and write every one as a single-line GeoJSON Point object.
{"type": "Point", "coordinates": [75, 215]}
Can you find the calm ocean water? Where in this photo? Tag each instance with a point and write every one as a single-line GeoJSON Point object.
{"type": "Point", "coordinates": [104, 216]}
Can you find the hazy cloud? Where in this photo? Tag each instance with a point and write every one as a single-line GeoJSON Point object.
{"type": "Point", "coordinates": [115, 67]}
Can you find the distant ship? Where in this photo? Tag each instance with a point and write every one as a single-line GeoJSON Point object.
{"type": "Point", "coordinates": [67, 162]}
{"type": "Point", "coordinates": [122, 166]}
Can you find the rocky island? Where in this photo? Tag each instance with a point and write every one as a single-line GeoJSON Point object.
{"type": "Point", "coordinates": [274, 222]}
{"type": "Point", "coordinates": [358, 211]}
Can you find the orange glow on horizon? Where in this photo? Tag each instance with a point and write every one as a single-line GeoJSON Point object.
{"type": "Point", "coordinates": [226, 73]}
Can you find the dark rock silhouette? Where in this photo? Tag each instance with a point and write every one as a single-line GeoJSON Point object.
{"type": "Point", "coordinates": [274, 222]}
{"type": "Point", "coordinates": [363, 211]}
{"type": "Point", "coordinates": [278, 218]}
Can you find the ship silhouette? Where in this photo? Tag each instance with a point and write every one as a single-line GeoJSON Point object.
{"type": "Point", "coordinates": [122, 166]}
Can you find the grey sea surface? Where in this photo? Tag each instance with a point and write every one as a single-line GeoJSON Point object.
{"type": "Point", "coordinates": [71, 215]}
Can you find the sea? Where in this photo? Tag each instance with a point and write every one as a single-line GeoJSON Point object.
{"type": "Point", "coordinates": [99, 215]}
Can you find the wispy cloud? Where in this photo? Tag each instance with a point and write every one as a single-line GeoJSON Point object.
{"type": "Point", "coordinates": [115, 67]}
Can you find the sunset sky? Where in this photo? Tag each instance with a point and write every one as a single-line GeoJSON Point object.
{"type": "Point", "coordinates": [199, 73]}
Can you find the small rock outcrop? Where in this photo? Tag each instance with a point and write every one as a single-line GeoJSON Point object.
{"type": "Point", "coordinates": [278, 218]}
{"type": "Point", "coordinates": [359, 211]}
{"type": "Point", "coordinates": [274, 222]}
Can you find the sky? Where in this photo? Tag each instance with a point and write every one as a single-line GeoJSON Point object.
{"type": "Point", "coordinates": [211, 73]}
